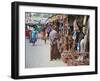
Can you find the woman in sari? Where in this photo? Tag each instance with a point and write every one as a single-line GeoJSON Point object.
{"type": "Point", "coordinates": [33, 36]}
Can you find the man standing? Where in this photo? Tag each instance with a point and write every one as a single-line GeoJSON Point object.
{"type": "Point", "coordinates": [53, 42]}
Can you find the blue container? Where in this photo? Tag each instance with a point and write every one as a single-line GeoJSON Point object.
{"type": "Point", "coordinates": [78, 47]}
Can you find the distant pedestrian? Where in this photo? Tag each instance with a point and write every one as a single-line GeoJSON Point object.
{"type": "Point", "coordinates": [33, 36]}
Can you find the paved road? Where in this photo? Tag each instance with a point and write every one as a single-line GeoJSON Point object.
{"type": "Point", "coordinates": [39, 55]}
